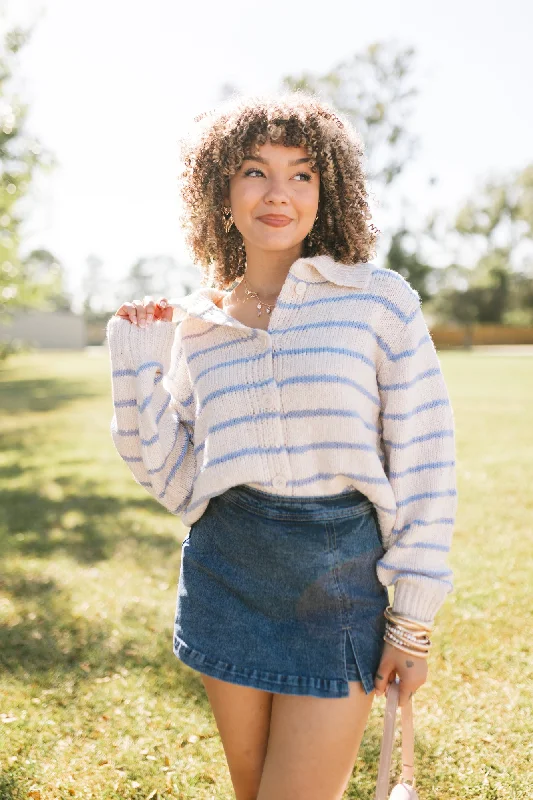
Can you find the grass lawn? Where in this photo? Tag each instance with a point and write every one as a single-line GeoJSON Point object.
{"type": "Point", "coordinates": [93, 703]}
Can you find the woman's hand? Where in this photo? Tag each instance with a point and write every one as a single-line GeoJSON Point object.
{"type": "Point", "coordinates": [412, 671]}
{"type": "Point", "coordinates": [143, 314]}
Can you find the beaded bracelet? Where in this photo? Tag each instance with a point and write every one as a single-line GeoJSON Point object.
{"type": "Point", "coordinates": [417, 641]}
{"type": "Point", "coordinates": [414, 644]}
{"type": "Point", "coordinates": [407, 634]}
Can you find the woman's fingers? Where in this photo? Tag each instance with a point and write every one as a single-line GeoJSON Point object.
{"type": "Point", "coordinates": [386, 671]}
{"type": "Point", "coordinates": [128, 311]}
{"type": "Point", "coordinates": [166, 310]}
{"type": "Point", "coordinates": [384, 676]}
{"type": "Point", "coordinates": [163, 310]}
{"type": "Point", "coordinates": [143, 314]}
{"type": "Point", "coordinates": [149, 307]}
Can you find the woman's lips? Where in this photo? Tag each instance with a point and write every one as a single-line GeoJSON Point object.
{"type": "Point", "coordinates": [276, 222]}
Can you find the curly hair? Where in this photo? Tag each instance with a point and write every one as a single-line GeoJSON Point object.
{"type": "Point", "coordinates": [215, 149]}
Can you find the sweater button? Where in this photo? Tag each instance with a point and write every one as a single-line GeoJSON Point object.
{"type": "Point", "coordinates": [300, 288]}
{"type": "Point", "coordinates": [279, 482]}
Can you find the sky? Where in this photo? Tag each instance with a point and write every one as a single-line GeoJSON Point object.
{"type": "Point", "coordinates": [111, 85]}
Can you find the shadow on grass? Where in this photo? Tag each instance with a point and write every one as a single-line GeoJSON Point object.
{"type": "Point", "coordinates": [12, 781]}
{"type": "Point", "coordinates": [42, 394]}
{"type": "Point", "coordinates": [49, 643]}
{"type": "Point", "coordinates": [88, 527]}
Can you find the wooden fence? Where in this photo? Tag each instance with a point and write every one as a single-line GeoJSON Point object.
{"type": "Point", "coordinates": [453, 336]}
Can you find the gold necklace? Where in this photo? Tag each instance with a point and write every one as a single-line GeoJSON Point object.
{"type": "Point", "coordinates": [249, 293]}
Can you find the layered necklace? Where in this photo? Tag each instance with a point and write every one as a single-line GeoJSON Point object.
{"type": "Point", "coordinates": [250, 294]}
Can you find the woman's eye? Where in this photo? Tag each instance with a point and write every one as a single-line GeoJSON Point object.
{"type": "Point", "coordinates": [304, 175]}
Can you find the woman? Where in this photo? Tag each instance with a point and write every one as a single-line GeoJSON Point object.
{"type": "Point", "coordinates": [293, 412]}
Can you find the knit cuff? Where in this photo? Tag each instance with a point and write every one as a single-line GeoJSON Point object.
{"type": "Point", "coordinates": [414, 601]}
{"type": "Point", "coordinates": [131, 346]}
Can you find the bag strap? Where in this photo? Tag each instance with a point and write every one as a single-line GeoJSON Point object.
{"type": "Point", "coordinates": [408, 741]}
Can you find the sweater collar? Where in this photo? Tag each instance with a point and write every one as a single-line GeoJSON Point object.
{"type": "Point", "coordinates": [355, 275]}
{"type": "Point", "coordinates": [314, 269]}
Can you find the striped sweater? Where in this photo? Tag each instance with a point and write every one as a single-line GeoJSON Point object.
{"type": "Point", "coordinates": [344, 390]}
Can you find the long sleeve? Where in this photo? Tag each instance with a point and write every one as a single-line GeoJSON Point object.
{"type": "Point", "coordinates": [153, 423]}
{"type": "Point", "coordinates": [418, 436]}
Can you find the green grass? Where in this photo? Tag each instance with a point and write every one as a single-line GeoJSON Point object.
{"type": "Point", "coordinates": [93, 703]}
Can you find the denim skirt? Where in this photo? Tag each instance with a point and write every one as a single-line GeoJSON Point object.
{"type": "Point", "coordinates": [281, 593]}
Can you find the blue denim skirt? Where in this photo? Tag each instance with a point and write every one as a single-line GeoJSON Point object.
{"type": "Point", "coordinates": [281, 593]}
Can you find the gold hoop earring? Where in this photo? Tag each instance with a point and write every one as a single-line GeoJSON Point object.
{"type": "Point", "coordinates": [228, 219]}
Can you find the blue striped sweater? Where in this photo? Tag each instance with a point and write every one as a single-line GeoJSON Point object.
{"type": "Point", "coordinates": [343, 390]}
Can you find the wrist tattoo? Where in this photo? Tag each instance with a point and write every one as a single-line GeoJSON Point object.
{"type": "Point", "coordinates": [379, 677]}
{"type": "Point", "coordinates": [409, 663]}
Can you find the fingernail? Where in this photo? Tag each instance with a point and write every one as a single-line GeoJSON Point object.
{"type": "Point", "coordinates": [149, 318]}
{"type": "Point", "coordinates": [142, 323]}
{"type": "Point", "coordinates": [163, 304]}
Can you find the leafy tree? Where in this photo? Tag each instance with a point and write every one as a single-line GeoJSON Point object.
{"type": "Point", "coordinates": [498, 221]}
{"type": "Point", "coordinates": [42, 270]}
{"type": "Point", "coordinates": [373, 90]}
{"type": "Point", "coordinates": [409, 264]}
{"type": "Point", "coordinates": [519, 309]}
{"type": "Point", "coordinates": [20, 156]}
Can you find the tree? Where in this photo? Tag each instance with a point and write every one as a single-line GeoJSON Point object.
{"type": "Point", "coordinates": [498, 222]}
{"type": "Point", "coordinates": [408, 264]}
{"type": "Point", "coordinates": [371, 89]}
{"type": "Point", "coordinates": [42, 269]}
{"type": "Point", "coordinates": [501, 209]}
{"type": "Point", "coordinates": [20, 156]}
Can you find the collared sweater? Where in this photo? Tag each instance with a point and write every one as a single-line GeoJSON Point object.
{"type": "Point", "coordinates": [343, 391]}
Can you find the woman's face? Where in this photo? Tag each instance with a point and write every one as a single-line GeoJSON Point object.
{"type": "Point", "coordinates": [276, 184]}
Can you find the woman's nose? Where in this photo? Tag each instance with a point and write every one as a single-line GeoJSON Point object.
{"type": "Point", "coordinates": [276, 192]}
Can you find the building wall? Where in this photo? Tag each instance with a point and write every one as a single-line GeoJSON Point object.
{"type": "Point", "coordinates": [60, 330]}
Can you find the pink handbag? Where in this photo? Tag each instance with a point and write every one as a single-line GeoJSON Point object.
{"type": "Point", "coordinates": [402, 790]}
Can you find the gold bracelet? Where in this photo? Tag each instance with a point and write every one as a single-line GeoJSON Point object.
{"type": "Point", "coordinates": [419, 650]}
{"type": "Point", "coordinates": [406, 649]}
{"type": "Point", "coordinates": [408, 622]}
{"type": "Point", "coordinates": [390, 611]}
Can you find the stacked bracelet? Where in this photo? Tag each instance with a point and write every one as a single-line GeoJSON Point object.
{"type": "Point", "coordinates": [407, 634]}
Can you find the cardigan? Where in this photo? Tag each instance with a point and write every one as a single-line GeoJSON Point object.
{"type": "Point", "coordinates": [343, 391]}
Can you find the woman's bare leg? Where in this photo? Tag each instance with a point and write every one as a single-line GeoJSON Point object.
{"type": "Point", "coordinates": [313, 744]}
{"type": "Point", "coordinates": [242, 715]}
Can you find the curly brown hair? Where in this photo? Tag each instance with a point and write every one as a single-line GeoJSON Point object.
{"type": "Point", "coordinates": [214, 151]}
